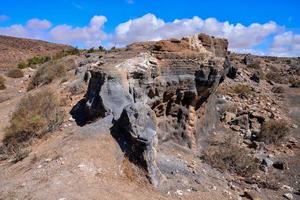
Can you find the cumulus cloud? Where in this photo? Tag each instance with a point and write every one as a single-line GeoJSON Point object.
{"type": "Point", "coordinates": [149, 27]}
{"type": "Point", "coordinates": [241, 38]}
{"type": "Point", "coordinates": [286, 44]}
{"type": "Point", "coordinates": [37, 24]}
{"type": "Point", "coordinates": [89, 36]}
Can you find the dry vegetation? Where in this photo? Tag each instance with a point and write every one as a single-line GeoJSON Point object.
{"type": "Point", "coordinates": [231, 157]}
{"type": "Point", "coordinates": [235, 89]}
{"type": "Point", "coordinates": [2, 83]}
{"type": "Point", "coordinates": [35, 115]}
{"type": "Point", "coordinates": [15, 73]}
{"type": "Point", "coordinates": [46, 73]}
{"type": "Point", "coordinates": [273, 131]}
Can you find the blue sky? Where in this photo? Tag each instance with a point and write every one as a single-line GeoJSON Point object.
{"type": "Point", "coordinates": [261, 27]}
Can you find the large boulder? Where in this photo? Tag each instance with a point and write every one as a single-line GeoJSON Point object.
{"type": "Point", "coordinates": [157, 92]}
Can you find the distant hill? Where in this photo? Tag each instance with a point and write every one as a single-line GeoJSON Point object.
{"type": "Point", "coordinates": [14, 50]}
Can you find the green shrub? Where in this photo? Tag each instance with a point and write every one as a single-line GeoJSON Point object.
{"type": "Point", "coordinates": [2, 83]}
{"type": "Point", "coordinates": [273, 131]}
{"type": "Point", "coordinates": [91, 50]}
{"type": "Point", "coordinates": [22, 65]}
{"type": "Point", "coordinates": [46, 73]}
{"type": "Point", "coordinates": [15, 73]}
{"type": "Point", "coordinates": [230, 157]}
{"type": "Point", "coordinates": [35, 115]}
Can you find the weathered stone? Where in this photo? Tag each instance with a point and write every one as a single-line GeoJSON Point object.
{"type": "Point", "coordinates": [279, 165]}
{"type": "Point", "coordinates": [248, 60]}
{"type": "Point", "coordinates": [241, 121]}
{"type": "Point", "coordinates": [288, 196]}
{"type": "Point", "coordinates": [255, 77]}
{"type": "Point", "coordinates": [156, 91]}
{"type": "Point", "coordinates": [228, 116]}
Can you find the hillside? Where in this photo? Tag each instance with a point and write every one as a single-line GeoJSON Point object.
{"type": "Point", "coordinates": [173, 119]}
{"type": "Point", "coordinates": [14, 50]}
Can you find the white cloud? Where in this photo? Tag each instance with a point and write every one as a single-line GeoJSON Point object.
{"type": "Point", "coordinates": [286, 44]}
{"type": "Point", "coordinates": [38, 24]}
{"type": "Point", "coordinates": [91, 35]}
{"type": "Point", "coordinates": [149, 27]}
{"type": "Point", "coordinates": [241, 38]}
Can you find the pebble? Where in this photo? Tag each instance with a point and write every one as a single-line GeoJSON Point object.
{"type": "Point", "coordinates": [288, 196]}
{"type": "Point", "coordinates": [179, 192]}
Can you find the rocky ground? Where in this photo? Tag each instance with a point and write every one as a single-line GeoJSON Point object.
{"type": "Point", "coordinates": [150, 122]}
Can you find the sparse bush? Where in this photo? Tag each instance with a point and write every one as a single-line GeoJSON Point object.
{"type": "Point", "coordinates": [34, 61]}
{"type": "Point", "coordinates": [46, 73]}
{"type": "Point", "coordinates": [241, 89]}
{"type": "Point", "coordinates": [276, 77]}
{"type": "Point", "coordinates": [38, 60]}
{"type": "Point", "coordinates": [231, 157]}
{"type": "Point", "coordinates": [277, 89]}
{"type": "Point", "coordinates": [101, 48]}
{"type": "Point", "coordinates": [273, 131]}
{"type": "Point", "coordinates": [22, 65]}
{"type": "Point", "coordinates": [235, 89]}
{"type": "Point", "coordinates": [15, 73]}
{"type": "Point", "coordinates": [254, 65]}
{"type": "Point", "coordinates": [91, 50]}
{"type": "Point", "coordinates": [35, 115]}
{"type": "Point", "coordinates": [2, 83]}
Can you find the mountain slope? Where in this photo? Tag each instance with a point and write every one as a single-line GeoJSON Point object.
{"type": "Point", "coordinates": [14, 50]}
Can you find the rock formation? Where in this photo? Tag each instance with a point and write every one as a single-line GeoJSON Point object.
{"type": "Point", "coordinates": [156, 92]}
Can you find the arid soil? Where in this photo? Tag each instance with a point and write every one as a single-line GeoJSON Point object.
{"type": "Point", "coordinates": [88, 161]}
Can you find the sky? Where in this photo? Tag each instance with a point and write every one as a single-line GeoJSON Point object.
{"type": "Point", "coordinates": [265, 27]}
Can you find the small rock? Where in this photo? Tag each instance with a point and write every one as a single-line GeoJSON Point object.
{"type": "Point", "coordinates": [179, 192]}
{"type": "Point", "coordinates": [235, 127]}
{"type": "Point", "coordinates": [267, 162]}
{"type": "Point", "coordinates": [71, 119]}
{"type": "Point", "coordinates": [279, 165]}
{"type": "Point", "coordinates": [252, 195]}
{"type": "Point", "coordinates": [288, 196]}
{"type": "Point", "coordinates": [228, 116]}
{"type": "Point", "coordinates": [286, 187]}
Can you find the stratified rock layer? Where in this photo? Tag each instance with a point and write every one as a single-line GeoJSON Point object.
{"type": "Point", "coordinates": [157, 92]}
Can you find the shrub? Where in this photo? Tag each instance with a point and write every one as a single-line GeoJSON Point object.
{"type": "Point", "coordinates": [273, 131]}
{"type": "Point", "coordinates": [15, 73]}
{"type": "Point", "coordinates": [38, 60]}
{"type": "Point", "coordinates": [235, 89]}
{"type": "Point", "coordinates": [2, 83]}
{"type": "Point", "coordinates": [46, 73]}
{"type": "Point", "coordinates": [34, 61]}
{"type": "Point", "coordinates": [35, 115]}
{"type": "Point", "coordinates": [231, 157]}
{"type": "Point", "coordinates": [277, 89]}
{"type": "Point", "coordinates": [22, 65]}
{"type": "Point", "coordinates": [91, 50]}
{"type": "Point", "coordinates": [241, 89]}
{"type": "Point", "coordinates": [276, 77]}
{"type": "Point", "coordinates": [254, 65]}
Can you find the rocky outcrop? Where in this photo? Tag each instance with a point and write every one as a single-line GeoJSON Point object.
{"type": "Point", "coordinates": [157, 92]}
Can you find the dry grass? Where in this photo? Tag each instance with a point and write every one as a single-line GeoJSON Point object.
{"type": "Point", "coordinates": [277, 89]}
{"type": "Point", "coordinates": [273, 131]}
{"type": "Point", "coordinates": [2, 83]}
{"type": "Point", "coordinates": [46, 73]}
{"type": "Point", "coordinates": [276, 77]}
{"type": "Point", "coordinates": [15, 73]}
{"type": "Point", "coordinates": [235, 89]}
{"type": "Point", "coordinates": [228, 156]}
{"type": "Point", "coordinates": [35, 115]}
